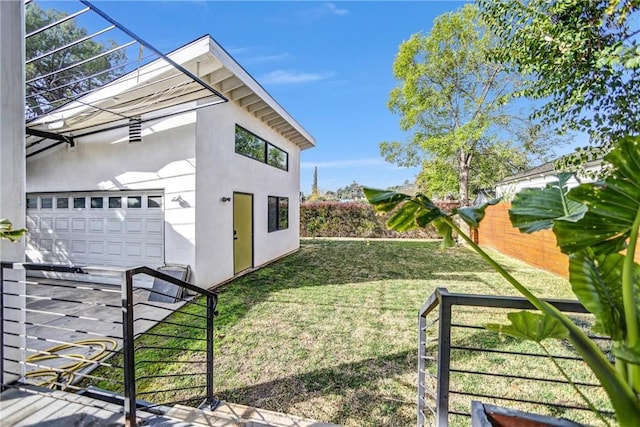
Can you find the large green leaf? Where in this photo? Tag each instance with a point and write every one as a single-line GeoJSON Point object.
{"type": "Point", "coordinates": [612, 207]}
{"type": "Point", "coordinates": [535, 209]}
{"type": "Point", "coordinates": [410, 212]}
{"type": "Point", "coordinates": [444, 230]}
{"type": "Point", "coordinates": [384, 200]}
{"type": "Point", "coordinates": [474, 214]}
{"type": "Point", "coordinates": [7, 231]}
{"type": "Point", "coordinates": [597, 282]}
{"type": "Point", "coordinates": [531, 326]}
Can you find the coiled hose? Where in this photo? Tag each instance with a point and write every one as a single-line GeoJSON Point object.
{"type": "Point", "coordinates": [62, 376]}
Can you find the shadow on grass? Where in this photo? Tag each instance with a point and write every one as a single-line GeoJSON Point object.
{"type": "Point", "coordinates": [354, 383]}
{"type": "Point", "coordinates": [324, 262]}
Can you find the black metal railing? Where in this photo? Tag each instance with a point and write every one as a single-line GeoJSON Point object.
{"type": "Point", "coordinates": [459, 361]}
{"type": "Point", "coordinates": [141, 347]}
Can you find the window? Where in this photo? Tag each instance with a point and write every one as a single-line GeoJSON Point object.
{"type": "Point", "coordinates": [46, 202]}
{"type": "Point", "coordinates": [62, 202]}
{"type": "Point", "coordinates": [154, 202]}
{"type": "Point", "coordinates": [277, 157]}
{"type": "Point", "coordinates": [134, 202]}
{"type": "Point", "coordinates": [115, 202]}
{"type": "Point", "coordinates": [78, 202]}
{"type": "Point", "coordinates": [32, 202]}
{"type": "Point", "coordinates": [96, 203]}
{"type": "Point", "coordinates": [253, 146]}
{"type": "Point", "coordinates": [278, 213]}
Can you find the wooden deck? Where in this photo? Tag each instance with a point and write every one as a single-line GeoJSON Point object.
{"type": "Point", "coordinates": [32, 406]}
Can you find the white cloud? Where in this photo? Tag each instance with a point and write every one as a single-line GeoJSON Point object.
{"type": "Point", "coordinates": [335, 9]}
{"type": "Point", "coordinates": [343, 163]}
{"type": "Point", "coordinates": [292, 77]}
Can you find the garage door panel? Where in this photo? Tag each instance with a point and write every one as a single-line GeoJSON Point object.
{"type": "Point", "coordinates": [154, 226]}
{"type": "Point", "coordinates": [46, 224]}
{"type": "Point", "coordinates": [78, 225]}
{"type": "Point", "coordinates": [134, 225]}
{"type": "Point", "coordinates": [134, 249]}
{"type": "Point", "coordinates": [114, 225]}
{"type": "Point", "coordinates": [124, 235]}
{"type": "Point", "coordinates": [114, 248]}
{"type": "Point", "coordinates": [154, 251]}
{"type": "Point", "coordinates": [62, 224]}
{"type": "Point", "coordinates": [96, 225]}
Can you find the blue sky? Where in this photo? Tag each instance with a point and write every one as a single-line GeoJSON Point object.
{"type": "Point", "coordinates": [328, 63]}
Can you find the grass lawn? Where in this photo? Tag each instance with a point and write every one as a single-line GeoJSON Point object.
{"type": "Point", "coordinates": [330, 332]}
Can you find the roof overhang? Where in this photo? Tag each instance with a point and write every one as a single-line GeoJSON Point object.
{"type": "Point", "coordinates": [157, 89]}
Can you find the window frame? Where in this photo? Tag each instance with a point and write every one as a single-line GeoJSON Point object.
{"type": "Point", "coordinates": [265, 151]}
{"type": "Point", "coordinates": [280, 204]}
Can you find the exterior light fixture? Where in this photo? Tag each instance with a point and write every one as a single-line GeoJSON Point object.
{"type": "Point", "coordinates": [226, 199]}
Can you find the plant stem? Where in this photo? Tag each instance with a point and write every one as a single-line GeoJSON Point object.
{"type": "Point", "coordinates": [575, 387]}
{"type": "Point", "coordinates": [629, 301]}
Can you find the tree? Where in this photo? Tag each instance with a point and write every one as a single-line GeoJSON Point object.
{"type": "Point", "coordinates": [352, 191]}
{"type": "Point", "coordinates": [451, 96]}
{"type": "Point", "coordinates": [315, 195]}
{"type": "Point", "coordinates": [581, 58]}
{"type": "Point", "coordinates": [53, 85]}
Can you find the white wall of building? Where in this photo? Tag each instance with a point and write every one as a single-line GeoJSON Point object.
{"type": "Point", "coordinates": [165, 159]}
{"type": "Point", "coordinates": [221, 172]}
{"type": "Point", "coordinates": [506, 190]}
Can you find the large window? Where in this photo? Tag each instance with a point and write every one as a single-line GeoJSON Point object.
{"type": "Point", "coordinates": [253, 146]}
{"type": "Point", "coordinates": [278, 213]}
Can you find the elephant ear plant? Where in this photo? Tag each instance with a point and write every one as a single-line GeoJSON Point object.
{"type": "Point", "coordinates": [597, 226]}
{"type": "Point", "coordinates": [7, 231]}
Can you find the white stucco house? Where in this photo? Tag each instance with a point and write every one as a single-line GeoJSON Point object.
{"type": "Point", "coordinates": [540, 176]}
{"type": "Point", "coordinates": [209, 184]}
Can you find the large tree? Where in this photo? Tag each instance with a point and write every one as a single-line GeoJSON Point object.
{"type": "Point", "coordinates": [581, 58]}
{"type": "Point", "coordinates": [452, 98]}
{"type": "Point", "coordinates": [55, 81]}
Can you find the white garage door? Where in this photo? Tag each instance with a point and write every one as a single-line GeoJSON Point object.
{"type": "Point", "coordinates": [119, 229]}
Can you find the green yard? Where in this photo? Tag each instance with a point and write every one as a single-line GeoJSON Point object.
{"type": "Point", "coordinates": [330, 333]}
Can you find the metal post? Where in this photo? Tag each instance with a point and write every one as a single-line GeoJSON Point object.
{"type": "Point", "coordinates": [422, 366]}
{"type": "Point", "coordinates": [128, 351]}
{"type": "Point", "coordinates": [444, 357]}
{"type": "Point", "coordinates": [210, 314]}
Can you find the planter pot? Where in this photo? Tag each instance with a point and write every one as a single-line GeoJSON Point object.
{"type": "Point", "coordinates": [485, 415]}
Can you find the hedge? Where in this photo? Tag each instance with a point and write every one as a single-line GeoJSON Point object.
{"type": "Point", "coordinates": [353, 219]}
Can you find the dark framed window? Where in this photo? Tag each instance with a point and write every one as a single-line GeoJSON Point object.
{"type": "Point", "coordinates": [277, 157]}
{"type": "Point", "coordinates": [79, 202]}
{"type": "Point", "coordinates": [278, 213]}
{"type": "Point", "coordinates": [115, 202]}
{"type": "Point", "coordinates": [134, 202]}
{"type": "Point", "coordinates": [32, 202]}
{"type": "Point", "coordinates": [97, 203]}
{"type": "Point", "coordinates": [62, 202]}
{"type": "Point", "coordinates": [251, 145]}
{"type": "Point", "coordinates": [46, 202]}
{"type": "Point", "coordinates": [154, 202]}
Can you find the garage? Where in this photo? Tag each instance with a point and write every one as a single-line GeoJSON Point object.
{"type": "Point", "coordinates": [111, 228]}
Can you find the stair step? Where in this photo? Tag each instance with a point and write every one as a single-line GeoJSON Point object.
{"type": "Point", "coordinates": [231, 414]}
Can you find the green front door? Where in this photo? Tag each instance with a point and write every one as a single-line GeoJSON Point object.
{"type": "Point", "coordinates": [242, 232]}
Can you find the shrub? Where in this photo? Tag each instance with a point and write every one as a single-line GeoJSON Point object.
{"type": "Point", "coordinates": [353, 219]}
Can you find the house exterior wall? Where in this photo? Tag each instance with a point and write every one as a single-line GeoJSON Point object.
{"type": "Point", "coordinates": [508, 189]}
{"type": "Point", "coordinates": [165, 160]}
{"type": "Point", "coordinates": [221, 172]}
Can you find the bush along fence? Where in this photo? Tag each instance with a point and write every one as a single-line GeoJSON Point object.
{"type": "Point", "coordinates": [354, 219]}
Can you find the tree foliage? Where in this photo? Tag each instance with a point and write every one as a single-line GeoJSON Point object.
{"type": "Point", "coordinates": [581, 57]}
{"type": "Point", "coordinates": [54, 84]}
{"type": "Point", "coordinates": [451, 97]}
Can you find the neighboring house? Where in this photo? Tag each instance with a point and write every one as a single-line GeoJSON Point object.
{"type": "Point", "coordinates": [540, 176]}
{"type": "Point", "coordinates": [215, 187]}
